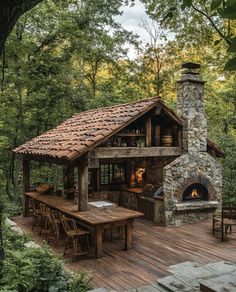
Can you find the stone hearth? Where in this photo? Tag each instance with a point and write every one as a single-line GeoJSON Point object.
{"type": "Point", "coordinates": [196, 206]}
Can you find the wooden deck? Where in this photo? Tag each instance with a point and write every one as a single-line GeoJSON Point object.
{"type": "Point", "coordinates": [155, 249]}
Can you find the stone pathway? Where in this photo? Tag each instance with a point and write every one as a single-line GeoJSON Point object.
{"type": "Point", "coordinates": [191, 277]}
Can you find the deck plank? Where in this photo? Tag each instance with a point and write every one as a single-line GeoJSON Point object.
{"type": "Point", "coordinates": [155, 248]}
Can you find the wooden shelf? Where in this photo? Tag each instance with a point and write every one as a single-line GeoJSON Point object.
{"type": "Point", "coordinates": [131, 135]}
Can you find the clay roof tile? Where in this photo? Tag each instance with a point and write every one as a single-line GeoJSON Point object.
{"type": "Point", "coordinates": [85, 130]}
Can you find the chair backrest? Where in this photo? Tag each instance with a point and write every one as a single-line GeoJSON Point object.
{"type": "Point", "coordinates": [42, 208]}
{"type": "Point", "coordinates": [35, 206]}
{"type": "Point", "coordinates": [48, 214]}
{"type": "Point", "coordinates": [229, 212]}
{"type": "Point", "coordinates": [55, 215]}
{"type": "Point", "coordinates": [68, 224]}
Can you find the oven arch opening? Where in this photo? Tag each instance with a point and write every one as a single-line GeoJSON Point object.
{"type": "Point", "coordinates": [195, 192]}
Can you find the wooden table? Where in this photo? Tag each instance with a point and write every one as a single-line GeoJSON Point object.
{"type": "Point", "coordinates": [96, 218]}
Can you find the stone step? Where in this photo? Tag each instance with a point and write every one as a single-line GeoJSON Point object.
{"type": "Point", "coordinates": [192, 277]}
{"type": "Point", "coordinates": [191, 273]}
{"type": "Point", "coordinates": [221, 283]}
{"type": "Point", "coordinates": [175, 284]}
{"type": "Point", "coordinates": [149, 288]}
{"type": "Point", "coordinates": [221, 268]}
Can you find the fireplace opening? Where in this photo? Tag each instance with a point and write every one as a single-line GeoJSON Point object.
{"type": "Point", "coordinates": [195, 192]}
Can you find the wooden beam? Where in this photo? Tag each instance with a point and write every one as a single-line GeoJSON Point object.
{"type": "Point", "coordinates": [83, 185]}
{"type": "Point", "coordinates": [149, 133]}
{"type": "Point", "coordinates": [26, 186]}
{"type": "Point", "coordinates": [127, 152]}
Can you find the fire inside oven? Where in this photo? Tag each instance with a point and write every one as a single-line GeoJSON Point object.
{"type": "Point", "coordinates": [195, 192]}
{"type": "Point", "coordinates": [138, 179]}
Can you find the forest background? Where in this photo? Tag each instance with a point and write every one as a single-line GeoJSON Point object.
{"type": "Point", "coordinates": [64, 57]}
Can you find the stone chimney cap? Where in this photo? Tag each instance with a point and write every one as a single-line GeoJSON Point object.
{"type": "Point", "coordinates": [190, 65]}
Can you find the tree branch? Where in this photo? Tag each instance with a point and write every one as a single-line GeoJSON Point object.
{"type": "Point", "coordinates": [10, 11]}
{"type": "Point", "coordinates": [212, 23]}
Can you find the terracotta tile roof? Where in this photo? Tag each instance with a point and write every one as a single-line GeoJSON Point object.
{"type": "Point", "coordinates": [85, 130]}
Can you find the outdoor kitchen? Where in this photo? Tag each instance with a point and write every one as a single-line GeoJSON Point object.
{"type": "Point", "coordinates": [141, 155]}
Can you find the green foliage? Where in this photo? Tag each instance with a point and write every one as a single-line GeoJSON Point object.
{"type": "Point", "coordinates": [187, 18]}
{"type": "Point", "coordinates": [228, 9]}
{"type": "Point", "coordinates": [16, 274]}
{"type": "Point", "coordinates": [14, 241]}
{"type": "Point", "coordinates": [10, 208]}
{"type": "Point", "coordinates": [232, 46]}
{"type": "Point", "coordinates": [36, 269]}
{"type": "Point", "coordinates": [81, 280]}
{"type": "Point", "coordinates": [215, 4]}
{"type": "Point", "coordinates": [231, 65]}
{"type": "Point", "coordinates": [228, 145]}
{"type": "Point", "coordinates": [60, 59]}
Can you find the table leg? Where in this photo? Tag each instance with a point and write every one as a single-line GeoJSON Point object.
{"type": "Point", "coordinates": [98, 241]}
{"type": "Point", "coordinates": [128, 235]}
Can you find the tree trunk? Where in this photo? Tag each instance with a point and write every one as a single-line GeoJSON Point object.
{"type": "Point", "coordinates": [2, 254]}
{"type": "Point", "coordinates": [10, 11]}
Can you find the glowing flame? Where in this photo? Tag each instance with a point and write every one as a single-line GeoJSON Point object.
{"type": "Point", "coordinates": [194, 194]}
{"type": "Point", "coordinates": [139, 175]}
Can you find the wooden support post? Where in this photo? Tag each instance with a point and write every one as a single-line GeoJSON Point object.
{"type": "Point", "coordinates": [83, 185]}
{"type": "Point", "coordinates": [26, 186]}
{"type": "Point", "coordinates": [149, 133]}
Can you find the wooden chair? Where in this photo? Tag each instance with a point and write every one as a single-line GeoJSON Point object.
{"type": "Point", "coordinates": [224, 221]}
{"type": "Point", "coordinates": [54, 222]}
{"type": "Point", "coordinates": [36, 213]}
{"type": "Point", "coordinates": [73, 237]}
{"type": "Point", "coordinates": [44, 225]}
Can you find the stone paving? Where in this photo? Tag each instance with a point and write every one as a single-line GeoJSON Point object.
{"type": "Point", "coordinates": [191, 277]}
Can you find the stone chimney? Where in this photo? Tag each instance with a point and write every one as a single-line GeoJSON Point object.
{"type": "Point", "coordinates": [191, 109]}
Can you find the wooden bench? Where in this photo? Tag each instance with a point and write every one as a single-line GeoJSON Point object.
{"type": "Point", "coordinates": [224, 221]}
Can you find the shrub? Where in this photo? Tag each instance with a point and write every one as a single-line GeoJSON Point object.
{"type": "Point", "coordinates": [81, 280]}
{"type": "Point", "coordinates": [35, 269]}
